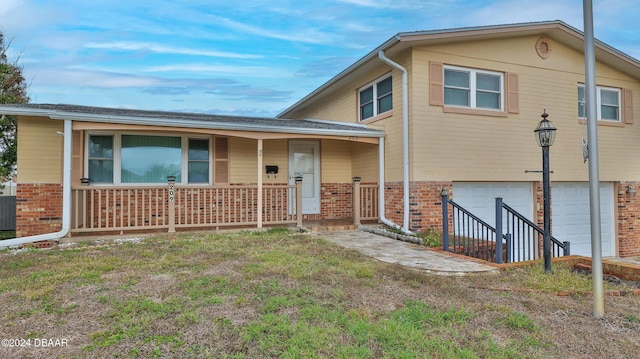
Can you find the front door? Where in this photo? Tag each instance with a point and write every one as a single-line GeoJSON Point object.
{"type": "Point", "coordinates": [304, 160]}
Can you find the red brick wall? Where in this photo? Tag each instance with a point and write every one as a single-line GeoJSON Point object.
{"type": "Point", "coordinates": [628, 223]}
{"type": "Point", "coordinates": [336, 200]}
{"type": "Point", "coordinates": [38, 209]}
{"type": "Point", "coordinates": [425, 204]}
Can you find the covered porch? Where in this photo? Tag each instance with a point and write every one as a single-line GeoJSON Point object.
{"type": "Point", "coordinates": [261, 172]}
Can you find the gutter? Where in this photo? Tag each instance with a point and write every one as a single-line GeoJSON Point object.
{"type": "Point", "coordinates": [66, 199]}
{"type": "Point", "coordinates": [405, 151]}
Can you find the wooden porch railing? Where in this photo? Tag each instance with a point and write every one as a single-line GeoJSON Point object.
{"type": "Point", "coordinates": [138, 208]}
{"type": "Point", "coordinates": [365, 201]}
{"type": "Point", "coordinates": [134, 208]}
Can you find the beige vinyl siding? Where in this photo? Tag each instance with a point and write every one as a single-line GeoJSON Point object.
{"type": "Point", "coordinates": [335, 161]}
{"type": "Point", "coordinates": [364, 161]}
{"type": "Point", "coordinates": [462, 147]}
{"type": "Point", "coordinates": [343, 107]}
{"type": "Point", "coordinates": [342, 103]}
{"type": "Point", "coordinates": [276, 153]}
{"type": "Point", "coordinates": [39, 150]}
{"type": "Point", "coordinates": [243, 160]}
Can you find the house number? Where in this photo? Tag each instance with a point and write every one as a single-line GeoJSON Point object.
{"type": "Point", "coordinates": [171, 192]}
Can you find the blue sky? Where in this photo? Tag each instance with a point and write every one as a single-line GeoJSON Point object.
{"type": "Point", "coordinates": [250, 57]}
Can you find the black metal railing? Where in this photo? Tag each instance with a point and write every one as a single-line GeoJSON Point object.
{"type": "Point", "coordinates": [471, 236]}
{"type": "Point", "coordinates": [526, 237]}
{"type": "Point", "coordinates": [520, 239]}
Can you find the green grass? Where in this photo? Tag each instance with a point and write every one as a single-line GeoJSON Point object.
{"type": "Point", "coordinates": [266, 294]}
{"type": "Point", "coordinates": [7, 234]}
{"type": "Point", "coordinates": [562, 279]}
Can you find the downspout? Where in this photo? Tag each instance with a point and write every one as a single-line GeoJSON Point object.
{"type": "Point", "coordinates": [405, 149]}
{"type": "Point", "coordinates": [66, 199]}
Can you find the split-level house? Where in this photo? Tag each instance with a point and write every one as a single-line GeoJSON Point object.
{"type": "Point", "coordinates": [424, 113]}
{"type": "Point", "coordinates": [470, 99]}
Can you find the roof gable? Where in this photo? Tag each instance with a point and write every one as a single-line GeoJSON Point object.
{"type": "Point", "coordinates": [556, 30]}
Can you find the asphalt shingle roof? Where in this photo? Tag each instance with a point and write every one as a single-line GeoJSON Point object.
{"type": "Point", "coordinates": [209, 119]}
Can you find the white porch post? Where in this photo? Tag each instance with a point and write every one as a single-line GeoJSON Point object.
{"type": "Point", "coordinates": [260, 183]}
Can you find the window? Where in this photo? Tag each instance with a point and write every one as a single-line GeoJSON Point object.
{"type": "Point", "coordinates": [132, 158]}
{"type": "Point", "coordinates": [376, 98]}
{"type": "Point", "coordinates": [471, 88]}
{"type": "Point", "coordinates": [198, 158]}
{"type": "Point", "coordinates": [101, 159]}
{"type": "Point", "coordinates": [608, 100]}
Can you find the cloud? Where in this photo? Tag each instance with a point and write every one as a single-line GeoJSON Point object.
{"type": "Point", "coordinates": [168, 90]}
{"type": "Point", "coordinates": [511, 11]}
{"type": "Point", "coordinates": [304, 35]}
{"type": "Point", "coordinates": [21, 16]}
{"type": "Point", "coordinates": [325, 67]}
{"type": "Point", "coordinates": [397, 4]}
{"type": "Point", "coordinates": [225, 88]}
{"type": "Point", "coordinates": [245, 92]}
{"type": "Point", "coordinates": [239, 70]}
{"type": "Point", "coordinates": [162, 49]}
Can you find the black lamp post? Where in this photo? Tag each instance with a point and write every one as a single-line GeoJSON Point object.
{"type": "Point", "coordinates": [545, 135]}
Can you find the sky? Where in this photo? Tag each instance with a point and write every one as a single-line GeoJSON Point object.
{"type": "Point", "coordinates": [244, 58]}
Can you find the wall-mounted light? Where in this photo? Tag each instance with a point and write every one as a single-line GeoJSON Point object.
{"type": "Point", "coordinates": [631, 191]}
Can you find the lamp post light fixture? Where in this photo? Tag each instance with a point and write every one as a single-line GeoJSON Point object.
{"type": "Point", "coordinates": [545, 136]}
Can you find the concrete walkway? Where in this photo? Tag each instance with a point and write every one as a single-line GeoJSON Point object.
{"type": "Point", "coordinates": [407, 254]}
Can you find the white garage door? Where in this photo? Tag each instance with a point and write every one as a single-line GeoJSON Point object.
{"type": "Point", "coordinates": [570, 217]}
{"type": "Point", "coordinates": [480, 198]}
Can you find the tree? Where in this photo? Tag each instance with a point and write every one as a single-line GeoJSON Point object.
{"type": "Point", "coordinates": [13, 90]}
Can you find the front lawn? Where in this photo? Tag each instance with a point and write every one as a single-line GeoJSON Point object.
{"type": "Point", "coordinates": [290, 295]}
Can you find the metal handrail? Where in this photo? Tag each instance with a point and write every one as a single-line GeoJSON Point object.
{"type": "Point", "coordinates": [472, 236]}
{"type": "Point", "coordinates": [476, 238]}
{"type": "Point", "coordinates": [531, 224]}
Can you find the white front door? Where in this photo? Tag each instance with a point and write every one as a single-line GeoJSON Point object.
{"type": "Point", "coordinates": [304, 161]}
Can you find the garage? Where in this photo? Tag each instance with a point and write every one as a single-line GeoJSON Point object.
{"type": "Point", "coordinates": [570, 217]}
{"type": "Point", "coordinates": [480, 198]}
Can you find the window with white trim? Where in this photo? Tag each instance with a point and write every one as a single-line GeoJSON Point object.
{"type": "Point", "coordinates": [124, 158]}
{"type": "Point", "coordinates": [608, 100]}
{"type": "Point", "coordinates": [375, 98]}
{"type": "Point", "coordinates": [476, 89]}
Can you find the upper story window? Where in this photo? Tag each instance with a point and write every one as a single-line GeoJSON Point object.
{"type": "Point", "coordinates": [608, 100]}
{"type": "Point", "coordinates": [475, 89]}
{"type": "Point", "coordinates": [132, 158]}
{"type": "Point", "coordinates": [376, 98]}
